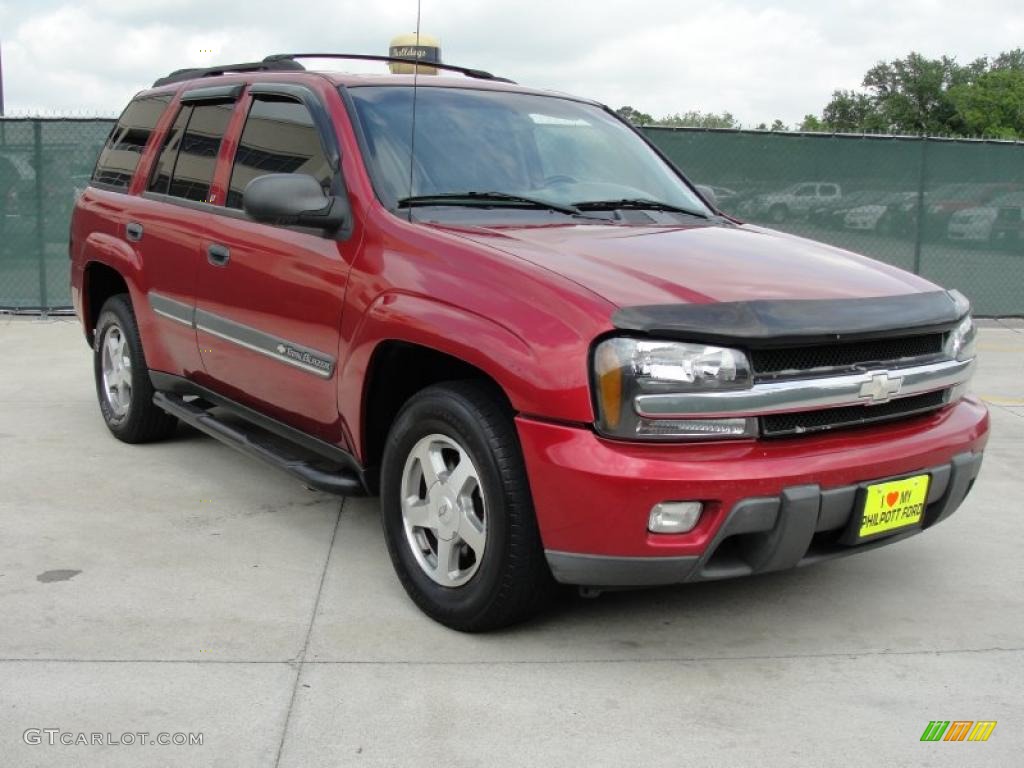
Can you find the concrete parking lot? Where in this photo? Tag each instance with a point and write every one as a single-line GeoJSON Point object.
{"type": "Point", "coordinates": [184, 588]}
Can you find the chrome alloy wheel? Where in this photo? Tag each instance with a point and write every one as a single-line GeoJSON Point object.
{"type": "Point", "coordinates": [443, 510]}
{"type": "Point", "coordinates": [116, 365]}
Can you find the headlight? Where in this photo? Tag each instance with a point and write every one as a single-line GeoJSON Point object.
{"type": "Point", "coordinates": [625, 368]}
{"type": "Point", "coordinates": [960, 341]}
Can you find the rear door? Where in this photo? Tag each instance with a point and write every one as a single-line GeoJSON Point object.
{"type": "Point", "coordinates": [172, 216]}
{"type": "Point", "coordinates": [269, 298]}
{"type": "Point", "coordinates": [114, 208]}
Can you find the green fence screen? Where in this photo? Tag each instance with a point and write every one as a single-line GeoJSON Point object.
{"type": "Point", "coordinates": [44, 163]}
{"type": "Point", "coordinates": [949, 210]}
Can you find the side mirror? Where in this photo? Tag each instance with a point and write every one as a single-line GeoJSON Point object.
{"type": "Point", "coordinates": [294, 198]}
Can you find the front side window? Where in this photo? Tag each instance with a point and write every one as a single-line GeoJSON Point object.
{"type": "Point", "coordinates": [556, 150]}
{"type": "Point", "coordinates": [279, 137]}
{"type": "Point", "coordinates": [121, 154]}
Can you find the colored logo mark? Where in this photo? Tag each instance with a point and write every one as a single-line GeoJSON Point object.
{"type": "Point", "coordinates": [958, 730]}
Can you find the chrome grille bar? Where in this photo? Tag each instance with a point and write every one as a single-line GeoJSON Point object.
{"type": "Point", "coordinates": [865, 388]}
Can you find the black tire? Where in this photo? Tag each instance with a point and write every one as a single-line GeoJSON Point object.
{"type": "Point", "coordinates": [512, 580]}
{"type": "Point", "coordinates": [143, 422]}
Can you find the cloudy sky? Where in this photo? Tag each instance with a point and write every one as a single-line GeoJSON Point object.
{"type": "Point", "coordinates": [757, 60]}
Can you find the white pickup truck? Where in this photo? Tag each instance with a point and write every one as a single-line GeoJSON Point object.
{"type": "Point", "coordinates": [796, 200]}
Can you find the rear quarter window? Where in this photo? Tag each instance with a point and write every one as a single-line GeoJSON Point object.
{"type": "Point", "coordinates": [120, 155]}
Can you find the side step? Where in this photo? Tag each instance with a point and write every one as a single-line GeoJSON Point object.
{"type": "Point", "coordinates": [252, 442]}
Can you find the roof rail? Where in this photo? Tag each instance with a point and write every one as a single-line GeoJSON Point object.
{"type": "Point", "coordinates": [479, 74]}
{"type": "Point", "coordinates": [180, 75]}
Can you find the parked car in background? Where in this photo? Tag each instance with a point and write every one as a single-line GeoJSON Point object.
{"type": "Point", "coordinates": [1008, 228]}
{"type": "Point", "coordinates": [17, 189]}
{"type": "Point", "coordinates": [943, 202]}
{"type": "Point", "coordinates": [830, 213]}
{"type": "Point", "coordinates": [794, 201]}
{"type": "Point", "coordinates": [889, 213]}
{"type": "Point", "coordinates": [978, 225]}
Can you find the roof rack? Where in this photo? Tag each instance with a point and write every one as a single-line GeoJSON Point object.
{"type": "Point", "coordinates": [286, 62]}
{"type": "Point", "coordinates": [180, 75]}
{"type": "Point", "coordinates": [479, 74]}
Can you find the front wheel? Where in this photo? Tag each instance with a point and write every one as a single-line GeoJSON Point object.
{"type": "Point", "coordinates": [457, 513]}
{"type": "Point", "coordinates": [122, 379]}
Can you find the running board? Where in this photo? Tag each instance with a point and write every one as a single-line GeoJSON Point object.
{"type": "Point", "coordinates": [343, 482]}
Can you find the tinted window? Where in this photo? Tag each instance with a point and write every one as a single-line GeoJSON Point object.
{"type": "Point", "coordinates": [121, 153]}
{"type": "Point", "coordinates": [161, 179]}
{"type": "Point", "coordinates": [197, 151]}
{"type": "Point", "coordinates": [279, 137]}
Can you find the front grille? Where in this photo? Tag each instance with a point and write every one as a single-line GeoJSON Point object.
{"type": "Point", "coordinates": [782, 424]}
{"type": "Point", "coordinates": [793, 361]}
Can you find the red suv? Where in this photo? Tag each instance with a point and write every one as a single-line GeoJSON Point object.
{"type": "Point", "coordinates": [507, 313]}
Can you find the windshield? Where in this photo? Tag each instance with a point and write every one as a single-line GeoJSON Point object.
{"type": "Point", "coordinates": [547, 149]}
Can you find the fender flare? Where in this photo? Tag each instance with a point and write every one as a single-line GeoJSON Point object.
{"type": "Point", "coordinates": [415, 319]}
{"type": "Point", "coordinates": [110, 251]}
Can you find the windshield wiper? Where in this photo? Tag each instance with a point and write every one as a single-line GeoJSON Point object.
{"type": "Point", "coordinates": [483, 198]}
{"type": "Point", "coordinates": [635, 204]}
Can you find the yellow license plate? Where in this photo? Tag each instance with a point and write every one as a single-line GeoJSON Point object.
{"type": "Point", "coordinates": [893, 505]}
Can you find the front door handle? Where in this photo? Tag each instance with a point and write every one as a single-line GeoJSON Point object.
{"type": "Point", "coordinates": [133, 231]}
{"type": "Point", "coordinates": [218, 255]}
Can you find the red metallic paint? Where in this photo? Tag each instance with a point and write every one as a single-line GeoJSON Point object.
{"type": "Point", "coordinates": [593, 495]}
{"type": "Point", "coordinates": [639, 265]}
{"type": "Point", "coordinates": [522, 304]}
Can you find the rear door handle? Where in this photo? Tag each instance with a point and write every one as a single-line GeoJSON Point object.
{"type": "Point", "coordinates": [218, 255]}
{"type": "Point", "coordinates": [133, 231]}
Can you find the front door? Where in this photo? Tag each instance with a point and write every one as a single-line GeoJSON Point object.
{"type": "Point", "coordinates": [269, 298]}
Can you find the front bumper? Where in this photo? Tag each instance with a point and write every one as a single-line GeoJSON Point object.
{"type": "Point", "coordinates": [768, 505]}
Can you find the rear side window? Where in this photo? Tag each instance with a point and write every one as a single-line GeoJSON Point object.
{"type": "Point", "coordinates": [161, 180]}
{"type": "Point", "coordinates": [189, 155]}
{"type": "Point", "coordinates": [121, 154]}
{"type": "Point", "coordinates": [279, 137]}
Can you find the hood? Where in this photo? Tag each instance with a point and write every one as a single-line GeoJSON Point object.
{"type": "Point", "coordinates": [635, 265]}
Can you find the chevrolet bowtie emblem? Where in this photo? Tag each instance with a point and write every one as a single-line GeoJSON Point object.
{"type": "Point", "coordinates": [881, 388]}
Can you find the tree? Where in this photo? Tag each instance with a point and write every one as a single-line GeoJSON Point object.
{"type": "Point", "coordinates": [912, 94]}
{"type": "Point", "coordinates": [812, 123]}
{"type": "Point", "coordinates": [992, 106]}
{"type": "Point", "coordinates": [635, 116]}
{"type": "Point", "coordinates": [1009, 60]}
{"type": "Point", "coordinates": [916, 94]}
{"type": "Point", "coordinates": [852, 112]}
{"type": "Point", "coordinates": [697, 119]}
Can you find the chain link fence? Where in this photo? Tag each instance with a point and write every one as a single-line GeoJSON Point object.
{"type": "Point", "coordinates": [950, 210]}
{"type": "Point", "coordinates": [44, 163]}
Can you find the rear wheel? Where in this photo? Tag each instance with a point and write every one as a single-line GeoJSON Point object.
{"type": "Point", "coordinates": [457, 513]}
{"type": "Point", "coordinates": [122, 379]}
